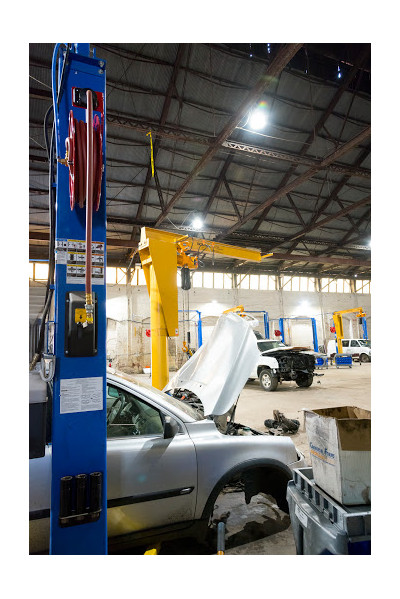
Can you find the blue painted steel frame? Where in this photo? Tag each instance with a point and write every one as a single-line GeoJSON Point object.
{"type": "Point", "coordinates": [364, 327]}
{"type": "Point", "coordinates": [313, 325]}
{"type": "Point", "coordinates": [265, 320]}
{"type": "Point", "coordinates": [199, 327]}
{"type": "Point", "coordinates": [79, 440]}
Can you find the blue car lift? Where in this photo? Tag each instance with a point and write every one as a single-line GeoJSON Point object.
{"type": "Point", "coordinates": [78, 514]}
{"type": "Point", "coordinates": [265, 320]}
{"type": "Point", "coordinates": [313, 325]}
{"type": "Point", "coordinates": [199, 326]}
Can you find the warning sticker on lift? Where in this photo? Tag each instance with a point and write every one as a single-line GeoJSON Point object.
{"type": "Point", "coordinates": [81, 395]}
{"type": "Point", "coordinates": [72, 252]}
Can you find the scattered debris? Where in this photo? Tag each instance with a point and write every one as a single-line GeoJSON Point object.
{"type": "Point", "coordinates": [280, 424]}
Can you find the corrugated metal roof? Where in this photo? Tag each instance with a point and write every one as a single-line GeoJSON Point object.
{"type": "Point", "coordinates": [212, 80]}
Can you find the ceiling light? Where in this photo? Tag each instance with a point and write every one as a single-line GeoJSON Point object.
{"type": "Point", "coordinates": [258, 119]}
{"type": "Point", "coordinates": [197, 223]}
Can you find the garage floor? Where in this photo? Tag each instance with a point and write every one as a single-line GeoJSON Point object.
{"type": "Point", "coordinates": [261, 528]}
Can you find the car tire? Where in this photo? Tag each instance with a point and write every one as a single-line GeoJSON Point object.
{"type": "Point", "coordinates": [364, 358]}
{"type": "Point", "coordinates": [268, 381]}
{"type": "Point", "coordinates": [305, 380]}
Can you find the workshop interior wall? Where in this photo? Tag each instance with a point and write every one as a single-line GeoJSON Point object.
{"type": "Point", "coordinates": [128, 317]}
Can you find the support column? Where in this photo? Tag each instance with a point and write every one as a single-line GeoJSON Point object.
{"type": "Point", "coordinates": [159, 338]}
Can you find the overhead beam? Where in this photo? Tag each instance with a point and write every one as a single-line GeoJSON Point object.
{"type": "Point", "coordinates": [282, 58]}
{"type": "Point", "coordinates": [163, 120]}
{"type": "Point", "coordinates": [328, 201]}
{"type": "Point", "coordinates": [225, 249]}
{"type": "Point", "coordinates": [321, 259]}
{"type": "Point", "coordinates": [300, 179]}
{"type": "Point", "coordinates": [322, 120]}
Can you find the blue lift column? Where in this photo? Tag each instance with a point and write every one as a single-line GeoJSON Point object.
{"type": "Point", "coordinates": [78, 514]}
{"type": "Point", "coordinates": [364, 328]}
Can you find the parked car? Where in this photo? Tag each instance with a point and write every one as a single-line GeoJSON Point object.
{"type": "Point", "coordinates": [357, 348]}
{"type": "Point", "coordinates": [169, 455]}
{"type": "Point", "coordinates": [277, 362]}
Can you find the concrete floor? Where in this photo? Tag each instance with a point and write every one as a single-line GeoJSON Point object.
{"type": "Point", "coordinates": [261, 528]}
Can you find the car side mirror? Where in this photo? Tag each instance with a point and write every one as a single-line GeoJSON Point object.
{"type": "Point", "coordinates": [171, 427]}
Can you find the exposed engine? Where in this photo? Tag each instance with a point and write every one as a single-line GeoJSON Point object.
{"type": "Point", "coordinates": [226, 423]}
{"type": "Point", "coordinates": [291, 362]}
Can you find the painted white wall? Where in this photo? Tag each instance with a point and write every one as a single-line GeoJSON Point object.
{"type": "Point", "coordinates": [128, 314]}
{"type": "Point", "coordinates": [130, 305]}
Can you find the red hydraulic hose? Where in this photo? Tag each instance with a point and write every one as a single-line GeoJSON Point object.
{"type": "Point", "coordinates": [89, 205]}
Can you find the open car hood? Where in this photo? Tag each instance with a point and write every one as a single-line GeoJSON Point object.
{"type": "Point", "coordinates": [219, 369]}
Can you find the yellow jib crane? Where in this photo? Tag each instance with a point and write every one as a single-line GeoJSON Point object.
{"type": "Point", "coordinates": [338, 322]}
{"type": "Point", "coordinates": [161, 254]}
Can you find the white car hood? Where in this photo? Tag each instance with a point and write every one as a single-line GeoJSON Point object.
{"type": "Point", "coordinates": [219, 369]}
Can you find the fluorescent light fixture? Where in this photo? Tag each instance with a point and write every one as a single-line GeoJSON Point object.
{"type": "Point", "coordinates": [197, 223]}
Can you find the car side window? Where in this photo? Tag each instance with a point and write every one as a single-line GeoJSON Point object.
{"type": "Point", "coordinates": [345, 343]}
{"type": "Point", "coordinates": [354, 344]}
{"type": "Point", "coordinates": [129, 416]}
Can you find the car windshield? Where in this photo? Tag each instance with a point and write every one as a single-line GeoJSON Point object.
{"type": "Point", "coordinates": [364, 342]}
{"type": "Point", "coordinates": [177, 403]}
{"type": "Point", "coordinates": [266, 345]}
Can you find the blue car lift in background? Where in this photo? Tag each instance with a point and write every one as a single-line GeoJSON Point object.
{"type": "Point", "coordinates": [78, 515]}
{"type": "Point", "coordinates": [313, 325]}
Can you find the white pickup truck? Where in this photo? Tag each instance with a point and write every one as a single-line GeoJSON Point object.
{"type": "Point", "coordinates": [277, 362]}
{"type": "Point", "coordinates": [357, 348]}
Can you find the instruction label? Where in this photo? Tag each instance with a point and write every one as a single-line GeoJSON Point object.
{"type": "Point", "coordinates": [81, 395]}
{"type": "Point", "coordinates": [301, 515]}
{"type": "Point", "coordinates": [72, 252]}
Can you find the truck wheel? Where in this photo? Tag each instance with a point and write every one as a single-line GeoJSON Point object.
{"type": "Point", "coordinates": [304, 380]}
{"type": "Point", "coordinates": [268, 381]}
{"type": "Point", "coordinates": [364, 358]}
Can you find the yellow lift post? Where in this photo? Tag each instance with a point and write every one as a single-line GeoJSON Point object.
{"type": "Point", "coordinates": [161, 253]}
{"type": "Point", "coordinates": [338, 322]}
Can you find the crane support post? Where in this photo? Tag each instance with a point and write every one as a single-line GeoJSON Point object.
{"type": "Point", "coordinates": [159, 261]}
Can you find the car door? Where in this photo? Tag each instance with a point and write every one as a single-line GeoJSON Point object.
{"type": "Point", "coordinates": [354, 347]}
{"type": "Point", "coordinates": [345, 346]}
{"type": "Point", "coordinates": [151, 481]}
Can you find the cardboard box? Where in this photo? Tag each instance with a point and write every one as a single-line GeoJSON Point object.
{"type": "Point", "coordinates": [340, 447]}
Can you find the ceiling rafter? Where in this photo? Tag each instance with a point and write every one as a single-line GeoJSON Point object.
{"type": "Point", "coordinates": [163, 120]}
{"type": "Point", "coordinates": [300, 179]}
{"type": "Point", "coordinates": [329, 200]}
{"type": "Point", "coordinates": [322, 120]}
{"type": "Point", "coordinates": [278, 63]}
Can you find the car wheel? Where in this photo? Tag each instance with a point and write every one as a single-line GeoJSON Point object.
{"type": "Point", "coordinates": [304, 380]}
{"type": "Point", "coordinates": [268, 381]}
{"type": "Point", "coordinates": [364, 358]}
{"type": "Point", "coordinates": [247, 521]}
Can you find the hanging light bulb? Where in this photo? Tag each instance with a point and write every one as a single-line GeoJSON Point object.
{"type": "Point", "coordinates": [339, 72]}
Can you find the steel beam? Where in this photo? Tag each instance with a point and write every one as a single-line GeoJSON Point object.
{"type": "Point", "coordinates": [300, 179]}
{"type": "Point", "coordinates": [282, 58]}
{"type": "Point", "coordinates": [321, 122]}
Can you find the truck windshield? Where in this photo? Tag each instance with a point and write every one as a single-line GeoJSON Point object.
{"type": "Point", "coordinates": [364, 342]}
{"type": "Point", "coordinates": [266, 345]}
